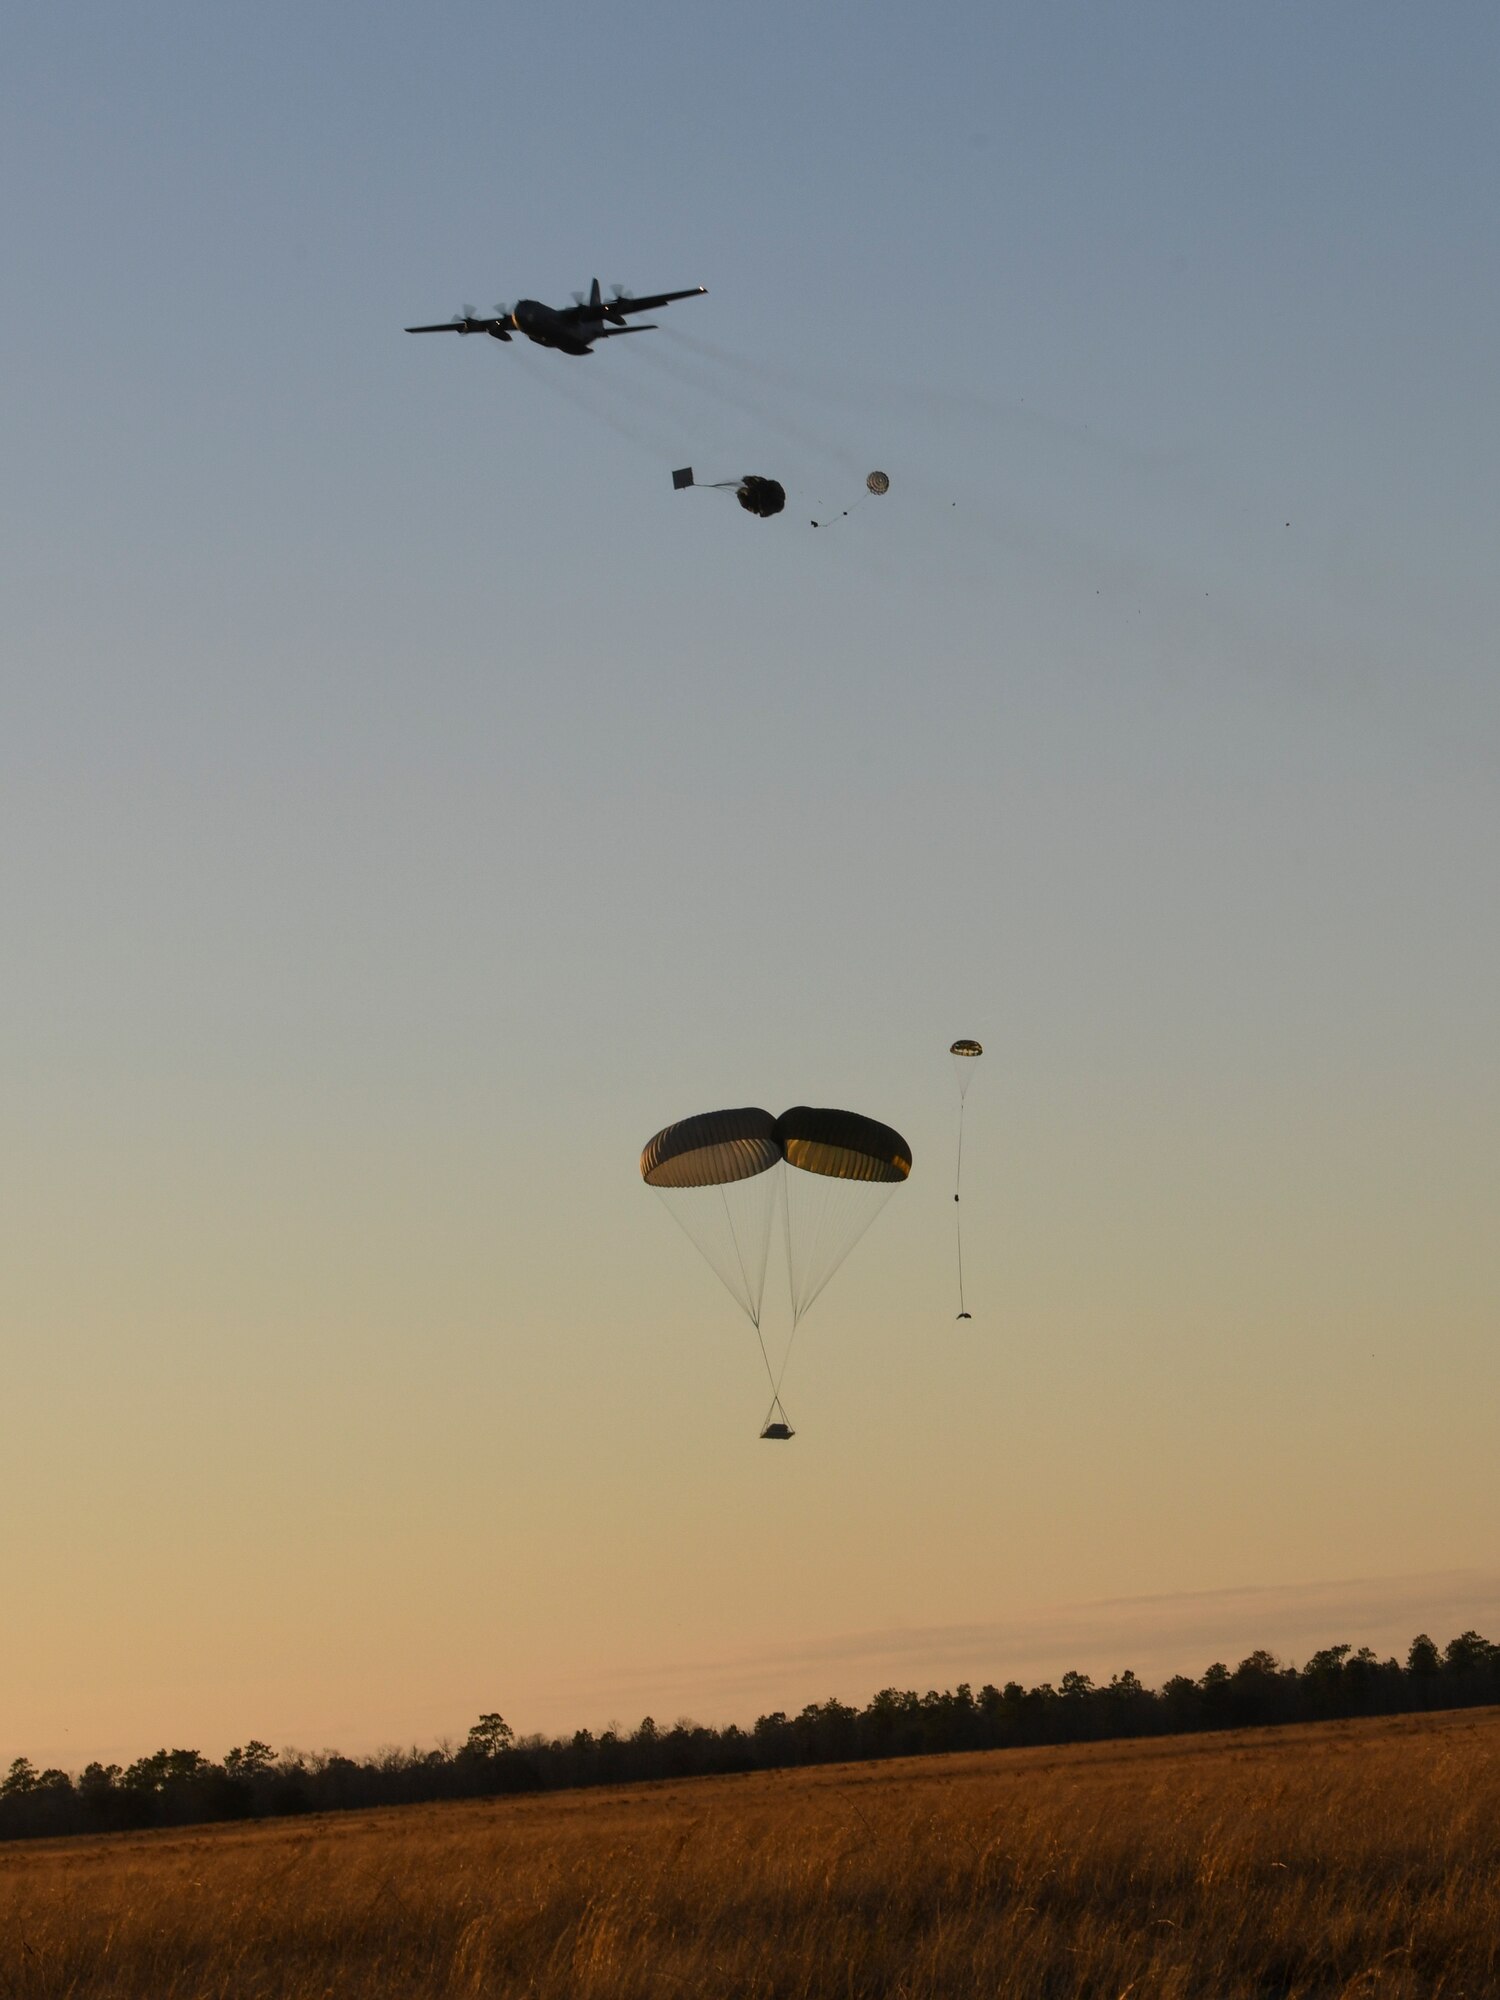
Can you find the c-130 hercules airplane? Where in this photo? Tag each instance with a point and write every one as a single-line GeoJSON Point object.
{"type": "Point", "coordinates": [571, 329]}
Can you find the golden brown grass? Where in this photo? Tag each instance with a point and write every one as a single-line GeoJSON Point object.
{"type": "Point", "coordinates": [1352, 1859]}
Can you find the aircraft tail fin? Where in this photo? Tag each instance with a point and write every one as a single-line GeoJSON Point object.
{"type": "Point", "coordinates": [596, 297]}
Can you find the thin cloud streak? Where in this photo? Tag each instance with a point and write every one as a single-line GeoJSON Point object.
{"type": "Point", "coordinates": [1157, 1636]}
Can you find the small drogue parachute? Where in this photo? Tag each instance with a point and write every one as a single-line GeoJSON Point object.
{"type": "Point", "coordinates": [965, 1055]}
{"type": "Point", "coordinates": [876, 483]}
{"type": "Point", "coordinates": [757, 495]}
{"type": "Point", "coordinates": [725, 1176]}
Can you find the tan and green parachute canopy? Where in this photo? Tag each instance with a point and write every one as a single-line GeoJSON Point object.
{"type": "Point", "coordinates": [843, 1145]}
{"type": "Point", "coordinates": [712, 1150]}
{"type": "Point", "coordinates": [717, 1148]}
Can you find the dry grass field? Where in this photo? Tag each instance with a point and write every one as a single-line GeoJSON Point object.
{"type": "Point", "coordinates": [1352, 1859]}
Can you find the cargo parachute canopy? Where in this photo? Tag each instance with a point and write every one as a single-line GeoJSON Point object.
{"type": "Point", "coordinates": [715, 1172]}
{"type": "Point", "coordinates": [841, 1170]}
{"type": "Point", "coordinates": [756, 494]}
{"type": "Point", "coordinates": [725, 1174]}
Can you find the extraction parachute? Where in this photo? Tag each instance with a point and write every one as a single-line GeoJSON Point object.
{"type": "Point", "coordinates": [718, 1174]}
{"type": "Point", "coordinates": [755, 494]}
{"type": "Point", "coordinates": [965, 1055]}
{"type": "Point", "coordinates": [876, 483]}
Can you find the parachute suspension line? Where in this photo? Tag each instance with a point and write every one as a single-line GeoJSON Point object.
{"type": "Point", "coordinates": [809, 1261]}
{"type": "Point", "coordinates": [837, 1202]}
{"type": "Point", "coordinates": [739, 1256]}
{"type": "Point", "coordinates": [865, 1199]}
{"type": "Point", "coordinates": [753, 1310]}
{"type": "Point", "coordinates": [958, 1213]}
{"type": "Point", "coordinates": [843, 513]}
{"type": "Point", "coordinates": [876, 483]}
{"type": "Point", "coordinates": [965, 1054]}
{"type": "Point", "coordinates": [786, 1218]}
{"type": "Point", "coordinates": [774, 1380]}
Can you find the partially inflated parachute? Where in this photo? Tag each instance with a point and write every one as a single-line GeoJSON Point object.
{"type": "Point", "coordinates": [725, 1174]}
{"type": "Point", "coordinates": [764, 497]}
{"type": "Point", "coordinates": [755, 493]}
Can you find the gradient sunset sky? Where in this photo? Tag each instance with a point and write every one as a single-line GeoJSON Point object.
{"type": "Point", "coordinates": [408, 803]}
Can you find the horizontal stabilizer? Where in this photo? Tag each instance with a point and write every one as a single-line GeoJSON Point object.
{"type": "Point", "coordinates": [681, 479]}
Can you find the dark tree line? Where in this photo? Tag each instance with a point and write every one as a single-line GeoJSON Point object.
{"type": "Point", "coordinates": [182, 1787]}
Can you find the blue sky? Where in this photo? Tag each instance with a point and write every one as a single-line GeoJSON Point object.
{"type": "Point", "coordinates": [408, 802]}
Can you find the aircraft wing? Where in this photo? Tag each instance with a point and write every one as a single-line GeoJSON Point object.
{"type": "Point", "coordinates": [465, 326]}
{"type": "Point", "coordinates": [616, 308]}
{"type": "Point", "coordinates": [656, 300]}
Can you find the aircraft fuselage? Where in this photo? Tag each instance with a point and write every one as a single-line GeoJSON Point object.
{"type": "Point", "coordinates": [541, 324]}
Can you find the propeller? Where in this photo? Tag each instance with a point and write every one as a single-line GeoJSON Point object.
{"type": "Point", "coordinates": [471, 320]}
{"type": "Point", "coordinates": [580, 298]}
{"type": "Point", "coordinates": [621, 296]}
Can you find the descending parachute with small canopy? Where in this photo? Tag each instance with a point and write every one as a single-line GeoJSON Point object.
{"type": "Point", "coordinates": [757, 495]}
{"type": "Point", "coordinates": [876, 483]}
{"type": "Point", "coordinates": [965, 1056]}
{"type": "Point", "coordinates": [727, 1175]}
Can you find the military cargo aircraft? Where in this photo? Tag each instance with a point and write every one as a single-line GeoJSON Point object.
{"type": "Point", "coordinates": [570, 329]}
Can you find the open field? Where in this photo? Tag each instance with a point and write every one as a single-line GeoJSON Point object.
{"type": "Point", "coordinates": [1346, 1859]}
